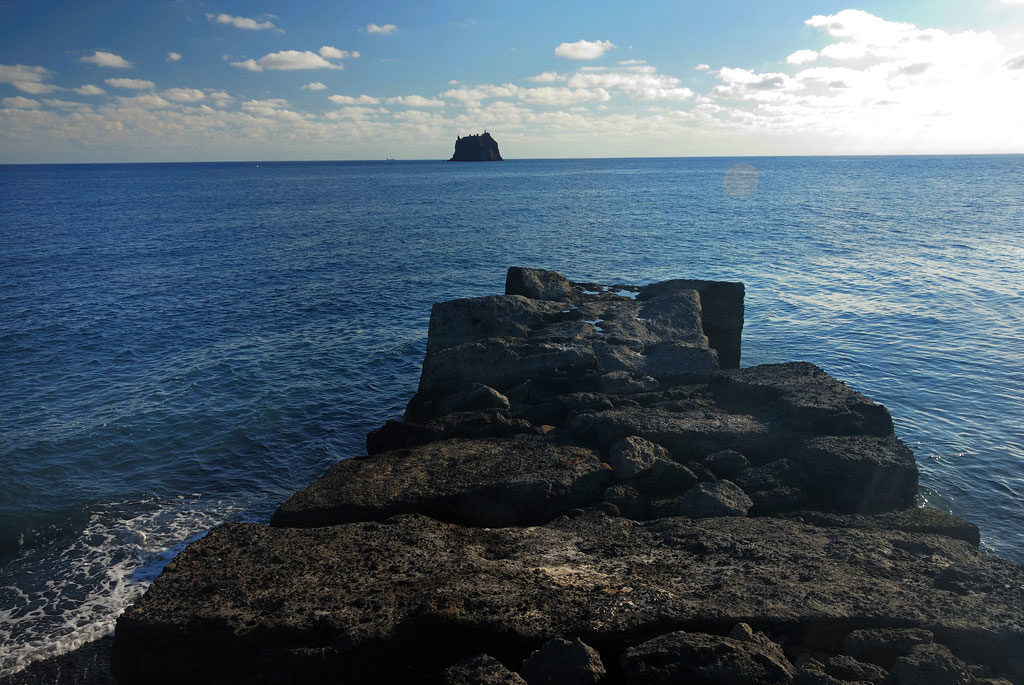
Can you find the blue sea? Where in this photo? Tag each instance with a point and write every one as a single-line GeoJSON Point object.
{"type": "Point", "coordinates": [186, 344]}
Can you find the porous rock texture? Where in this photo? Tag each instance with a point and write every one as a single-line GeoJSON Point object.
{"type": "Point", "coordinates": [525, 512]}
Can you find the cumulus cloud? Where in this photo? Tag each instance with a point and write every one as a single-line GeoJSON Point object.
{"type": "Point", "coordinates": [34, 87]}
{"type": "Point", "coordinates": [19, 102]}
{"type": "Point", "coordinates": [63, 104]}
{"type": "Point", "coordinates": [583, 49]}
{"type": "Point", "coordinates": [184, 94]}
{"type": "Point", "coordinates": [314, 85]}
{"type": "Point", "coordinates": [241, 22]}
{"type": "Point", "coordinates": [136, 83]}
{"type": "Point", "coordinates": [547, 77]}
{"type": "Point", "coordinates": [416, 101]}
{"type": "Point", "coordinates": [638, 82]}
{"type": "Point", "coordinates": [107, 59]}
{"type": "Point", "coordinates": [702, 67]}
{"type": "Point", "coordinates": [385, 30]}
{"type": "Point", "coordinates": [350, 100]}
{"type": "Point", "coordinates": [802, 56]}
{"type": "Point", "coordinates": [27, 79]}
{"type": "Point", "coordinates": [147, 101]}
{"type": "Point", "coordinates": [89, 89]}
{"type": "Point", "coordinates": [1016, 62]}
{"type": "Point", "coordinates": [290, 60]}
{"type": "Point", "coordinates": [173, 56]}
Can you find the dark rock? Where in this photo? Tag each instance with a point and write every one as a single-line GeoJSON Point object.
{"type": "Point", "coordinates": [681, 657]}
{"type": "Point", "coordinates": [476, 148]}
{"type": "Point", "coordinates": [929, 664]}
{"type": "Point", "coordinates": [492, 423]}
{"type": "Point", "coordinates": [481, 670]}
{"type": "Point", "coordinates": [803, 398]}
{"type": "Point", "coordinates": [495, 316]}
{"type": "Point", "coordinates": [721, 312]}
{"type": "Point", "coordinates": [411, 596]}
{"type": "Point", "coordinates": [622, 383]}
{"type": "Point", "coordinates": [474, 397]}
{"type": "Point", "coordinates": [630, 502]}
{"type": "Point", "coordinates": [564, 662]}
{"type": "Point", "coordinates": [519, 481]}
{"type": "Point", "coordinates": [775, 487]}
{"type": "Point", "coordinates": [666, 477]}
{"type": "Point", "coordinates": [725, 463]}
{"type": "Point", "coordinates": [721, 498]}
{"type": "Point", "coordinates": [914, 520]}
{"type": "Point", "coordinates": [860, 474]}
{"type": "Point", "coordinates": [538, 284]}
{"type": "Point", "coordinates": [847, 668]}
{"type": "Point", "coordinates": [882, 646]}
{"type": "Point", "coordinates": [742, 631]}
{"type": "Point", "coordinates": [632, 456]}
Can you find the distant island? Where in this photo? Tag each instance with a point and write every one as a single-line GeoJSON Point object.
{"type": "Point", "coordinates": [476, 148]}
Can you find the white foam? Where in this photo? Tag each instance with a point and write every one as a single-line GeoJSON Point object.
{"type": "Point", "coordinates": [631, 294]}
{"type": "Point", "coordinates": [92, 580]}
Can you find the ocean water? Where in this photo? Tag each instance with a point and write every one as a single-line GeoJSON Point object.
{"type": "Point", "coordinates": [186, 344]}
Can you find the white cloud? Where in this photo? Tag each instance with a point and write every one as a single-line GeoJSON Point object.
{"type": "Point", "coordinates": [290, 60]}
{"type": "Point", "coordinates": [89, 89]}
{"type": "Point", "coordinates": [547, 95]}
{"type": "Point", "coordinates": [147, 101]}
{"type": "Point", "coordinates": [1016, 62]}
{"type": "Point", "coordinates": [107, 59]}
{"type": "Point", "coordinates": [642, 85]}
{"type": "Point", "coordinates": [314, 85]}
{"type": "Point", "coordinates": [385, 30]}
{"type": "Point", "coordinates": [631, 62]}
{"type": "Point", "coordinates": [20, 103]}
{"type": "Point", "coordinates": [802, 57]}
{"type": "Point", "coordinates": [702, 67]}
{"type": "Point", "coordinates": [173, 56]}
{"type": "Point", "coordinates": [184, 94]}
{"type": "Point", "coordinates": [136, 83]}
{"type": "Point", "coordinates": [349, 100]}
{"type": "Point", "coordinates": [547, 77]}
{"type": "Point", "coordinates": [20, 73]}
{"type": "Point", "coordinates": [472, 96]}
{"type": "Point", "coordinates": [63, 104]}
{"type": "Point", "coordinates": [33, 87]}
{"type": "Point", "coordinates": [241, 22]}
{"type": "Point", "coordinates": [583, 49]}
{"type": "Point", "coordinates": [416, 101]}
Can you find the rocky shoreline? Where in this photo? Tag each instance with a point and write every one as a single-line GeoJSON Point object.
{"type": "Point", "coordinates": [588, 488]}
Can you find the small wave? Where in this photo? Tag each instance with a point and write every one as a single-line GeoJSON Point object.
{"type": "Point", "coordinates": [65, 594]}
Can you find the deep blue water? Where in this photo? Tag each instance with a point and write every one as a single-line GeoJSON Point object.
{"type": "Point", "coordinates": [183, 344]}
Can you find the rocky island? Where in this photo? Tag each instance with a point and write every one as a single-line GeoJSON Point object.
{"type": "Point", "coordinates": [587, 487]}
{"type": "Point", "coordinates": [476, 148]}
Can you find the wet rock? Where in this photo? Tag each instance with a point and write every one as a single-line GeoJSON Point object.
{"type": "Point", "coordinates": [882, 646]}
{"type": "Point", "coordinates": [725, 463]}
{"type": "Point", "coordinates": [698, 657]}
{"type": "Point", "coordinates": [632, 456]}
{"type": "Point", "coordinates": [929, 664]}
{"type": "Point", "coordinates": [538, 284]}
{"type": "Point", "coordinates": [520, 481]}
{"type": "Point", "coordinates": [482, 669]}
{"type": "Point", "coordinates": [707, 500]}
{"type": "Point", "coordinates": [777, 486]}
{"type": "Point", "coordinates": [564, 662]}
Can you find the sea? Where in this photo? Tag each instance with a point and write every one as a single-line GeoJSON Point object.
{"type": "Point", "coordinates": [187, 344]}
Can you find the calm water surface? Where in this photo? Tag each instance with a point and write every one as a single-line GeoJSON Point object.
{"type": "Point", "coordinates": [184, 344]}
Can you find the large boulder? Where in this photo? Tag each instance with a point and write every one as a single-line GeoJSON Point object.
{"type": "Point", "coordinates": [519, 481]}
{"type": "Point", "coordinates": [409, 596]}
{"type": "Point", "coordinates": [722, 307]}
{"type": "Point", "coordinates": [683, 657]}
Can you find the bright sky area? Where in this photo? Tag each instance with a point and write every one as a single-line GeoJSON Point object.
{"type": "Point", "coordinates": [182, 80]}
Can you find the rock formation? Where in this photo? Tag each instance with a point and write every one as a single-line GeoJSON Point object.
{"type": "Point", "coordinates": [476, 148]}
{"type": "Point", "coordinates": [587, 488]}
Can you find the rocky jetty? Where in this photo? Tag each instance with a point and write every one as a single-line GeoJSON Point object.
{"type": "Point", "coordinates": [476, 148]}
{"type": "Point", "coordinates": [587, 488]}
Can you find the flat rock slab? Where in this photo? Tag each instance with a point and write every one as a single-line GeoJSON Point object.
{"type": "Point", "coordinates": [523, 480]}
{"type": "Point", "coordinates": [408, 597]}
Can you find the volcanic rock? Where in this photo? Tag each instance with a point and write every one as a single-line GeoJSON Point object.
{"type": "Point", "coordinates": [476, 148]}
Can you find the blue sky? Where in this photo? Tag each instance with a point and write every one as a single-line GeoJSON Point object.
{"type": "Point", "coordinates": [186, 80]}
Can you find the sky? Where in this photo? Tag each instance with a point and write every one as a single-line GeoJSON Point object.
{"type": "Point", "coordinates": [224, 80]}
